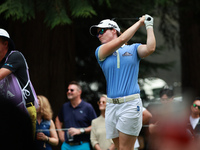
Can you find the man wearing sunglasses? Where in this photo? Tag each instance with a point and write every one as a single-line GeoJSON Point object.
{"type": "Point", "coordinates": [75, 115]}
{"type": "Point", "coordinates": [194, 124]}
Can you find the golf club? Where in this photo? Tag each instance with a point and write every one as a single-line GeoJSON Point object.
{"type": "Point", "coordinates": [137, 18]}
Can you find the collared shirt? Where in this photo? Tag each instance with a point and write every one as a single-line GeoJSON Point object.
{"type": "Point", "coordinates": [121, 71]}
{"type": "Point", "coordinates": [78, 117]}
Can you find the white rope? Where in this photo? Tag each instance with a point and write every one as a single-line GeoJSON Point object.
{"type": "Point", "coordinates": [65, 129]}
{"type": "Point", "coordinates": [25, 91]}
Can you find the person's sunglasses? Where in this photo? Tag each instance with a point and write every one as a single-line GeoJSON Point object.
{"type": "Point", "coordinates": [103, 102]}
{"type": "Point", "coordinates": [71, 90]}
{"type": "Point", "coordinates": [102, 31]}
{"type": "Point", "coordinates": [195, 105]}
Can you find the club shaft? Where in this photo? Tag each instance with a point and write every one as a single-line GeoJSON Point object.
{"type": "Point", "coordinates": [137, 18]}
{"type": "Point", "coordinates": [125, 18]}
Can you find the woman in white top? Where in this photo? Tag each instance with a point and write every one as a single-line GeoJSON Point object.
{"type": "Point", "coordinates": [98, 132]}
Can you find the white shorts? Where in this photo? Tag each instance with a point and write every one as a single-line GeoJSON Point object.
{"type": "Point", "coordinates": [125, 117]}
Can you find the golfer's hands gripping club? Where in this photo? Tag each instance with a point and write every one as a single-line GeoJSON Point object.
{"type": "Point", "coordinates": [148, 21]}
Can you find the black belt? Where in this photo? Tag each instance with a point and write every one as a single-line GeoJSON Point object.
{"type": "Point", "coordinates": [76, 143]}
{"type": "Point", "coordinates": [29, 104]}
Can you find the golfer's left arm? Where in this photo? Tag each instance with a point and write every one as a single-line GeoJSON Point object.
{"type": "Point", "coordinates": [150, 46]}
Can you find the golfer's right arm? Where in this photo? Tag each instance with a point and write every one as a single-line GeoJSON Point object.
{"type": "Point", "coordinates": [110, 47]}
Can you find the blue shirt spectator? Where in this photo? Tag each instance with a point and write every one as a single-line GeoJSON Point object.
{"type": "Point", "coordinates": [75, 115]}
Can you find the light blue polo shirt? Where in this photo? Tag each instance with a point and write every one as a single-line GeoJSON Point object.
{"type": "Point", "coordinates": [121, 71]}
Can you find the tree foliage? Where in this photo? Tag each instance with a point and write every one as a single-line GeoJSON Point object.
{"type": "Point", "coordinates": [57, 12]}
{"type": "Point", "coordinates": [18, 9]}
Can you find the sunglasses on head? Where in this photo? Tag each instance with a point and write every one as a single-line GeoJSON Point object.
{"type": "Point", "coordinates": [195, 105]}
{"type": "Point", "coordinates": [102, 31]}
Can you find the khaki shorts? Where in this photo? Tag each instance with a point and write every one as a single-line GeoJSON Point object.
{"type": "Point", "coordinates": [125, 117]}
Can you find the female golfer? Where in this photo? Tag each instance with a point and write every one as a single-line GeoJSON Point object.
{"type": "Point", "coordinates": [120, 65]}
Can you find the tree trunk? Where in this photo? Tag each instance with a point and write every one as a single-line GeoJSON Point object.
{"type": "Point", "coordinates": [190, 47]}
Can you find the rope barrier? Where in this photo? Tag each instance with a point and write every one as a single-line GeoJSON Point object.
{"type": "Point", "coordinates": [65, 129]}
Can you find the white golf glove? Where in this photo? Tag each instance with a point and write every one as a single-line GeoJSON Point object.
{"type": "Point", "coordinates": [148, 21]}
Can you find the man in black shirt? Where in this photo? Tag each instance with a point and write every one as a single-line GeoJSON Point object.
{"type": "Point", "coordinates": [14, 76]}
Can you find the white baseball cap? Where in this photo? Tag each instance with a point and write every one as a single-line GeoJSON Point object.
{"type": "Point", "coordinates": [4, 33]}
{"type": "Point", "coordinates": [107, 23]}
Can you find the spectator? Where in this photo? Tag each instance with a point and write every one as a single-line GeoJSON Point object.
{"type": "Point", "coordinates": [166, 97]}
{"type": "Point", "coordinates": [194, 123]}
{"type": "Point", "coordinates": [46, 135]}
{"type": "Point", "coordinates": [75, 115]}
{"type": "Point", "coordinates": [141, 141]}
{"type": "Point", "coordinates": [168, 129]}
{"type": "Point", "coordinates": [15, 84]}
{"type": "Point", "coordinates": [98, 132]}
{"type": "Point", "coordinates": [146, 116]}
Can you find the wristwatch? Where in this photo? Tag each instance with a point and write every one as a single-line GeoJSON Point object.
{"type": "Point", "coordinates": [82, 130]}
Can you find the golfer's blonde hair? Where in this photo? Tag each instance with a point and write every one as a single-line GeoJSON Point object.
{"type": "Point", "coordinates": [45, 107]}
